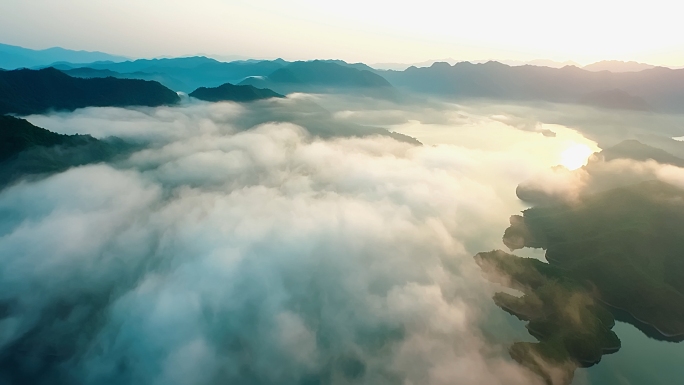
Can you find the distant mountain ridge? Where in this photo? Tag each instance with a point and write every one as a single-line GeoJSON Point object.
{"type": "Point", "coordinates": [661, 88]}
{"type": "Point", "coordinates": [180, 74]}
{"type": "Point", "coordinates": [91, 73]}
{"type": "Point", "coordinates": [14, 57]}
{"type": "Point", "coordinates": [618, 66]}
{"type": "Point", "coordinates": [451, 61]}
{"type": "Point", "coordinates": [607, 84]}
{"type": "Point", "coordinates": [26, 92]}
{"type": "Point", "coordinates": [191, 73]}
{"type": "Point", "coordinates": [323, 76]}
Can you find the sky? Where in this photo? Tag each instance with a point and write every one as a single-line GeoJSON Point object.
{"type": "Point", "coordinates": [370, 31]}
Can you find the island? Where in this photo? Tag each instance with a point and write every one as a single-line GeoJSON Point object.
{"type": "Point", "coordinates": [613, 255]}
{"type": "Point", "coordinates": [573, 328]}
{"type": "Point", "coordinates": [233, 93]}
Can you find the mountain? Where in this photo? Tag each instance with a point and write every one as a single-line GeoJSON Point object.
{"type": "Point", "coordinates": [545, 63]}
{"type": "Point", "coordinates": [90, 73]}
{"type": "Point", "coordinates": [27, 150]}
{"type": "Point", "coordinates": [179, 74]}
{"type": "Point", "coordinates": [322, 76]}
{"type": "Point", "coordinates": [26, 92]}
{"type": "Point", "coordinates": [358, 66]}
{"type": "Point", "coordinates": [618, 66]}
{"type": "Point", "coordinates": [17, 135]}
{"type": "Point", "coordinates": [614, 255]}
{"type": "Point", "coordinates": [451, 61]}
{"type": "Point", "coordinates": [635, 150]}
{"type": "Point", "coordinates": [13, 57]}
{"type": "Point", "coordinates": [626, 242]}
{"type": "Point", "coordinates": [614, 99]}
{"type": "Point", "coordinates": [549, 296]}
{"type": "Point", "coordinates": [230, 92]}
{"type": "Point", "coordinates": [660, 88]}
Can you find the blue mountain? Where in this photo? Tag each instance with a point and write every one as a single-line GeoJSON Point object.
{"type": "Point", "coordinates": [13, 57]}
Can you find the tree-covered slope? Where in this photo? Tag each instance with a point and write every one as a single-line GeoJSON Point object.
{"type": "Point", "coordinates": [26, 92]}
{"type": "Point", "coordinates": [27, 150]}
{"type": "Point", "coordinates": [617, 254]}
{"type": "Point", "coordinates": [230, 92]}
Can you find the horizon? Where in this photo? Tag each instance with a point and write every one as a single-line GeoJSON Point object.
{"type": "Point", "coordinates": [543, 62]}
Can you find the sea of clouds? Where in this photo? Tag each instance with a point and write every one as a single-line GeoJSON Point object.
{"type": "Point", "coordinates": [269, 243]}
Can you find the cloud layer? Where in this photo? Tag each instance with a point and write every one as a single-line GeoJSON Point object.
{"type": "Point", "coordinates": [221, 254]}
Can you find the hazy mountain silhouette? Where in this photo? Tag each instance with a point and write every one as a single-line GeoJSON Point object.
{"type": "Point", "coordinates": [90, 73]}
{"type": "Point", "coordinates": [230, 92]}
{"type": "Point", "coordinates": [13, 57]}
{"type": "Point", "coordinates": [358, 66]}
{"type": "Point", "coordinates": [616, 99]}
{"type": "Point", "coordinates": [323, 76]}
{"type": "Point", "coordinates": [26, 92]}
{"type": "Point", "coordinates": [635, 150]}
{"type": "Point", "coordinates": [29, 150]}
{"type": "Point", "coordinates": [617, 66]}
{"type": "Point", "coordinates": [451, 61]}
{"type": "Point", "coordinates": [180, 74]}
{"type": "Point", "coordinates": [660, 88]}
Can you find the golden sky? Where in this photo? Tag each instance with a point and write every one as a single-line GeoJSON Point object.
{"type": "Point", "coordinates": [355, 30]}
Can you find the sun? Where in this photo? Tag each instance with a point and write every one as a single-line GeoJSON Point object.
{"type": "Point", "coordinates": [575, 156]}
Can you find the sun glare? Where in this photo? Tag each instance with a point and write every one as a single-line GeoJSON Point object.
{"type": "Point", "coordinates": [575, 156]}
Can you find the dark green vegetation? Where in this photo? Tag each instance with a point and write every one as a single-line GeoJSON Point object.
{"type": "Point", "coordinates": [26, 92]}
{"type": "Point", "coordinates": [626, 242]}
{"type": "Point", "coordinates": [572, 328]}
{"type": "Point", "coordinates": [17, 135]}
{"type": "Point", "coordinates": [230, 92]}
{"type": "Point", "coordinates": [660, 88]}
{"type": "Point", "coordinates": [620, 250]}
{"type": "Point", "coordinates": [29, 150]}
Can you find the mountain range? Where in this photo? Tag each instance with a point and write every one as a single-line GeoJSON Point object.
{"type": "Point", "coordinates": [618, 66]}
{"type": "Point", "coordinates": [13, 57]}
{"type": "Point", "coordinates": [659, 88]}
{"type": "Point", "coordinates": [608, 84]}
{"type": "Point", "coordinates": [180, 74]}
{"type": "Point", "coordinates": [323, 76]}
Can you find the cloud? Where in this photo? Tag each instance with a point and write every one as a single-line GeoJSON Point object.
{"type": "Point", "coordinates": [262, 254]}
{"type": "Point", "coordinates": [560, 184]}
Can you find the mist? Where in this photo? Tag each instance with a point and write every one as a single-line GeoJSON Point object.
{"type": "Point", "coordinates": [308, 245]}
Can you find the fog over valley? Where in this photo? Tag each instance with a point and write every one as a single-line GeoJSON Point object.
{"type": "Point", "coordinates": [312, 196]}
